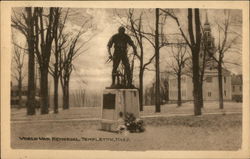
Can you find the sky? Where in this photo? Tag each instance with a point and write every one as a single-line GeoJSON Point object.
{"type": "Point", "coordinates": [92, 73]}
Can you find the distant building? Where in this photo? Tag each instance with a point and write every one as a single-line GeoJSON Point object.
{"type": "Point", "coordinates": [15, 91]}
{"type": "Point", "coordinates": [237, 88]}
{"type": "Point", "coordinates": [210, 83]}
{"type": "Point", "coordinates": [210, 86]}
{"type": "Point", "coordinates": [15, 96]}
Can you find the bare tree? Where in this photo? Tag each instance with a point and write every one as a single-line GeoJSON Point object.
{"type": "Point", "coordinates": [136, 27]}
{"type": "Point", "coordinates": [157, 62]}
{"type": "Point", "coordinates": [180, 58]}
{"type": "Point", "coordinates": [17, 73]}
{"type": "Point", "coordinates": [25, 23]}
{"type": "Point", "coordinates": [159, 42]}
{"type": "Point", "coordinates": [225, 44]}
{"type": "Point", "coordinates": [156, 38]}
{"type": "Point", "coordinates": [207, 50]}
{"type": "Point", "coordinates": [60, 39]}
{"type": "Point", "coordinates": [79, 97]}
{"type": "Point", "coordinates": [45, 25]}
{"type": "Point", "coordinates": [194, 42]}
{"type": "Point", "coordinates": [202, 68]}
{"type": "Point", "coordinates": [67, 57]}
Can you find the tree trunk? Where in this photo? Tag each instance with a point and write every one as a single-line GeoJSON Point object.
{"type": "Point", "coordinates": [196, 84]}
{"type": "Point", "coordinates": [201, 94]}
{"type": "Point", "coordinates": [67, 99]}
{"type": "Point", "coordinates": [195, 48]}
{"type": "Point", "coordinates": [201, 85]}
{"type": "Point", "coordinates": [56, 80]}
{"type": "Point", "coordinates": [56, 71]}
{"type": "Point", "coordinates": [20, 90]}
{"type": "Point", "coordinates": [179, 89]}
{"type": "Point", "coordinates": [141, 89]}
{"type": "Point", "coordinates": [66, 95]}
{"type": "Point", "coordinates": [44, 91]}
{"type": "Point", "coordinates": [152, 94]}
{"type": "Point", "coordinates": [31, 64]}
{"type": "Point", "coordinates": [141, 78]}
{"type": "Point", "coordinates": [167, 92]}
{"type": "Point", "coordinates": [157, 65]}
{"type": "Point", "coordinates": [31, 84]}
{"type": "Point", "coordinates": [220, 85]}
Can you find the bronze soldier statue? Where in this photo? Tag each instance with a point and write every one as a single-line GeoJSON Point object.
{"type": "Point", "coordinates": [120, 41]}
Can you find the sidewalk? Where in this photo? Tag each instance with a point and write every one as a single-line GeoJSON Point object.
{"type": "Point", "coordinates": [94, 113]}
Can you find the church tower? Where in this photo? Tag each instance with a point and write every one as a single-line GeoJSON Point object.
{"type": "Point", "coordinates": [208, 46]}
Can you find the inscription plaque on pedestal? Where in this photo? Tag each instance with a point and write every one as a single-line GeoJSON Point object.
{"type": "Point", "coordinates": [109, 101]}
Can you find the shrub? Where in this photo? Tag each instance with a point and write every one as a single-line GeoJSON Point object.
{"type": "Point", "coordinates": [132, 124]}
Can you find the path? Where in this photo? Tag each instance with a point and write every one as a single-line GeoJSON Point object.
{"type": "Point", "coordinates": [94, 113]}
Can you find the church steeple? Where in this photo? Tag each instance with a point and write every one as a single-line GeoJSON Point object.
{"type": "Point", "coordinates": [209, 43]}
{"type": "Point", "coordinates": [207, 24]}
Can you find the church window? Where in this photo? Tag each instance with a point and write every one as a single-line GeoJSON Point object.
{"type": "Point", "coordinates": [225, 79]}
{"type": "Point", "coordinates": [225, 93]}
{"type": "Point", "coordinates": [240, 88]}
{"type": "Point", "coordinates": [209, 94]}
{"type": "Point", "coordinates": [233, 88]}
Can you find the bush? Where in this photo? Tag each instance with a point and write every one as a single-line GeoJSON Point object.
{"type": "Point", "coordinates": [132, 124]}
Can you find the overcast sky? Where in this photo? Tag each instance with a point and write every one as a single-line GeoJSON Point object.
{"type": "Point", "coordinates": [91, 67]}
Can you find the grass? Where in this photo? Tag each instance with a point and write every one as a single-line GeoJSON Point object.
{"type": "Point", "coordinates": [207, 132]}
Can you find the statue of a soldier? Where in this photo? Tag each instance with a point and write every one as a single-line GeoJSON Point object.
{"type": "Point", "coordinates": [120, 41]}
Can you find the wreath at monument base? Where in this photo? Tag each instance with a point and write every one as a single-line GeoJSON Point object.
{"type": "Point", "coordinates": [132, 124]}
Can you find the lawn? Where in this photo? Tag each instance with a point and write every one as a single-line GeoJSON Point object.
{"type": "Point", "coordinates": [207, 132]}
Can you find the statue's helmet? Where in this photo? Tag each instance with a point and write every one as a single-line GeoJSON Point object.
{"type": "Point", "coordinates": [121, 29]}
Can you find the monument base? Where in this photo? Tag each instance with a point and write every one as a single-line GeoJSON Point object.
{"type": "Point", "coordinates": [109, 125]}
{"type": "Point", "coordinates": [115, 104]}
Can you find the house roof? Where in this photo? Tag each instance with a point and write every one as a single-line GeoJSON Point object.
{"type": "Point", "coordinates": [214, 71]}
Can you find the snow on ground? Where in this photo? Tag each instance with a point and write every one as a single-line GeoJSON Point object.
{"type": "Point", "coordinates": [175, 128]}
{"type": "Point", "coordinates": [95, 112]}
{"type": "Point", "coordinates": [209, 132]}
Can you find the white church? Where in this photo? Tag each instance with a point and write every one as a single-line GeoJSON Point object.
{"type": "Point", "coordinates": [210, 83]}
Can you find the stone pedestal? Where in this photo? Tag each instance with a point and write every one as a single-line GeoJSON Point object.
{"type": "Point", "coordinates": [115, 101]}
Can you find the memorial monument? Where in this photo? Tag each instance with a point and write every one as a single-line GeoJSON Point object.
{"type": "Point", "coordinates": [121, 97]}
